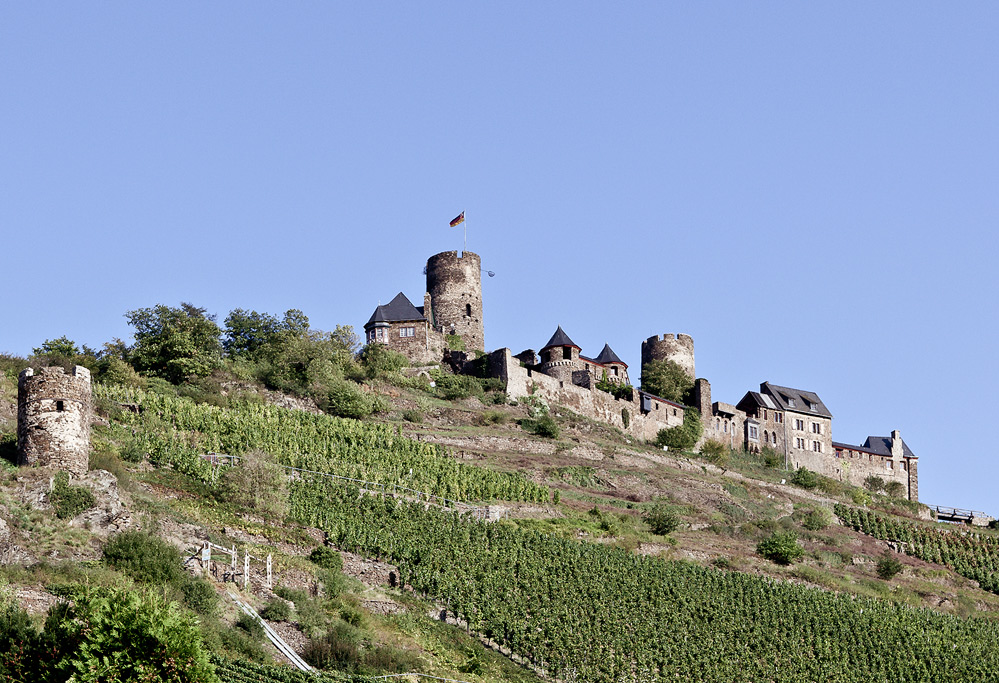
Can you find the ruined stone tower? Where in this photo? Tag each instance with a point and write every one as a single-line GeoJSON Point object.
{"type": "Point", "coordinates": [53, 418]}
{"type": "Point", "coordinates": [454, 284]}
{"type": "Point", "coordinates": [678, 348]}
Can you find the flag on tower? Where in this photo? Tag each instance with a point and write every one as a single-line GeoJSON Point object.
{"type": "Point", "coordinates": [458, 220]}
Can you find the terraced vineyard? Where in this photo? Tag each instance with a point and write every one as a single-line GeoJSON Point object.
{"type": "Point", "coordinates": [974, 556]}
{"type": "Point", "coordinates": [588, 612]}
{"type": "Point", "coordinates": [239, 671]}
{"type": "Point", "coordinates": [175, 430]}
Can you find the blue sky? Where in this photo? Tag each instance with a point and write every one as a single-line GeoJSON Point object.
{"type": "Point", "coordinates": [808, 189]}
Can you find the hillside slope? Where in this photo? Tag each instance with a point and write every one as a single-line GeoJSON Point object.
{"type": "Point", "coordinates": [571, 582]}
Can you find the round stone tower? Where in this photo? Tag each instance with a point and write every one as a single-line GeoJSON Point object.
{"type": "Point", "coordinates": [454, 284]}
{"type": "Point", "coordinates": [678, 348]}
{"type": "Point", "coordinates": [53, 418]}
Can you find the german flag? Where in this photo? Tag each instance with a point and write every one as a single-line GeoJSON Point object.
{"type": "Point", "coordinates": [458, 220]}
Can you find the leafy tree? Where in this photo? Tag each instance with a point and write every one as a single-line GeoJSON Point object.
{"type": "Point", "coordinates": [874, 483]}
{"type": "Point", "coordinates": [888, 566]}
{"type": "Point", "coordinates": [256, 483]}
{"type": "Point", "coordinates": [64, 352]}
{"type": "Point", "coordinates": [666, 379]}
{"type": "Point", "coordinates": [125, 635]}
{"type": "Point", "coordinates": [686, 435]}
{"type": "Point", "coordinates": [782, 547]}
{"type": "Point", "coordinates": [62, 346]}
{"type": "Point", "coordinates": [378, 360]}
{"type": "Point", "coordinates": [247, 333]}
{"type": "Point", "coordinates": [175, 343]}
{"type": "Point", "coordinates": [805, 478]}
{"type": "Point", "coordinates": [663, 519]}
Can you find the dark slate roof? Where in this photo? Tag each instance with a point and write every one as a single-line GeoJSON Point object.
{"type": "Point", "coordinates": [560, 338]}
{"type": "Point", "coordinates": [859, 449]}
{"type": "Point", "coordinates": [608, 356]}
{"type": "Point", "coordinates": [400, 309]}
{"type": "Point", "coordinates": [882, 446]}
{"type": "Point", "coordinates": [661, 399]}
{"type": "Point", "coordinates": [754, 399]}
{"type": "Point", "coordinates": [805, 402]}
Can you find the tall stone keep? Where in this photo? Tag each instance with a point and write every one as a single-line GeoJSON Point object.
{"type": "Point", "coordinates": [677, 348]}
{"type": "Point", "coordinates": [454, 284]}
{"type": "Point", "coordinates": [54, 410]}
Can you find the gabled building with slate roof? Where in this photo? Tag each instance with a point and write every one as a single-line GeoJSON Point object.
{"type": "Point", "coordinates": [402, 327]}
{"type": "Point", "coordinates": [561, 358]}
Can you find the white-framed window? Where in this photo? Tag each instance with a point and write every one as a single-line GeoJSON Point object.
{"type": "Point", "coordinates": [816, 428]}
{"type": "Point", "coordinates": [889, 465]}
{"type": "Point", "coordinates": [799, 425]}
{"type": "Point", "coordinates": [754, 433]}
{"type": "Point", "coordinates": [407, 331]}
{"type": "Point", "coordinates": [799, 442]}
{"type": "Point", "coordinates": [778, 417]}
{"type": "Point", "coordinates": [817, 446]}
{"type": "Point", "coordinates": [790, 403]}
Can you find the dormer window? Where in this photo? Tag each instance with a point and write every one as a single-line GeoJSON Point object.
{"type": "Point", "coordinates": [790, 402]}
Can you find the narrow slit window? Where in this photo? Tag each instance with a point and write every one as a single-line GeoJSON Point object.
{"type": "Point", "coordinates": [60, 406]}
{"type": "Point", "coordinates": [468, 310]}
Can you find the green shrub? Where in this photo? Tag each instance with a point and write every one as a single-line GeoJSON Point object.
{"type": "Point", "coordinates": [860, 497]}
{"type": "Point", "coordinates": [18, 644]}
{"type": "Point", "coordinates": [874, 483]}
{"type": "Point", "coordinates": [543, 426]}
{"type": "Point", "coordinates": [327, 558]}
{"type": "Point", "coordinates": [295, 595]}
{"type": "Point", "coordinates": [805, 478]}
{"type": "Point", "coordinates": [339, 649]}
{"type": "Point", "coordinates": [199, 595]}
{"type": "Point", "coordinates": [663, 519]}
{"type": "Point", "coordinates": [771, 458]}
{"type": "Point", "coordinates": [256, 483]}
{"type": "Point", "coordinates": [686, 435]}
{"type": "Point", "coordinates": [666, 379]}
{"type": "Point", "coordinates": [817, 519]}
{"type": "Point", "coordinates": [895, 489]}
{"type": "Point", "coordinates": [455, 342]}
{"type": "Point", "coordinates": [69, 501]}
{"type": "Point", "coordinates": [132, 635]}
{"type": "Point", "coordinates": [252, 627]}
{"type": "Point", "coordinates": [412, 416]}
{"type": "Point", "coordinates": [378, 360]}
{"type": "Point", "coordinates": [8, 447]}
{"type": "Point", "coordinates": [346, 399]}
{"type": "Point", "coordinates": [276, 610]}
{"type": "Point", "coordinates": [493, 417]}
{"type": "Point", "coordinates": [454, 387]}
{"type": "Point", "coordinates": [782, 548]}
{"type": "Point", "coordinates": [715, 452]}
{"type": "Point", "coordinates": [143, 557]}
{"type": "Point", "coordinates": [888, 566]}
{"type": "Point", "coordinates": [625, 417]}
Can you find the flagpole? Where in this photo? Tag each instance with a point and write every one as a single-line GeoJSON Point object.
{"type": "Point", "coordinates": [464, 229]}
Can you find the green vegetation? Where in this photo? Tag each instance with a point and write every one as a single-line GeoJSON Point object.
{"type": "Point", "coordinates": [888, 566]}
{"type": "Point", "coordinates": [175, 431]}
{"type": "Point", "coordinates": [104, 634]}
{"type": "Point", "coordinates": [69, 501]}
{"type": "Point", "coordinates": [686, 435]}
{"type": "Point", "coordinates": [502, 581]}
{"type": "Point", "coordinates": [781, 547]}
{"type": "Point", "coordinates": [175, 343]}
{"type": "Point", "coordinates": [973, 555]}
{"type": "Point", "coordinates": [663, 519]}
{"type": "Point", "coordinates": [805, 478]}
{"type": "Point", "coordinates": [666, 379]}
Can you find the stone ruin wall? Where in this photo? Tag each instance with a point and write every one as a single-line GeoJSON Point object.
{"type": "Point", "coordinates": [595, 404]}
{"type": "Point", "coordinates": [54, 411]}
{"type": "Point", "coordinates": [454, 284]}
{"type": "Point", "coordinates": [855, 470]}
{"type": "Point", "coordinates": [678, 348]}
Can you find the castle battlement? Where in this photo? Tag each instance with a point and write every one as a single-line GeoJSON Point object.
{"type": "Point", "coordinates": [54, 410]}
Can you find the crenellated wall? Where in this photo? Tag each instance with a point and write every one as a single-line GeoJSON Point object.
{"type": "Point", "coordinates": [593, 403]}
{"type": "Point", "coordinates": [454, 284]}
{"type": "Point", "coordinates": [678, 348]}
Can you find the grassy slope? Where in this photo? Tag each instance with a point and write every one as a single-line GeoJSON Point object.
{"type": "Point", "coordinates": [606, 483]}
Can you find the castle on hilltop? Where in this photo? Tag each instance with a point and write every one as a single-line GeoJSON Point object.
{"type": "Point", "coordinates": [793, 423]}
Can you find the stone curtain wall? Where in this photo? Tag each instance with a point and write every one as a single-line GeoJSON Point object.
{"type": "Point", "coordinates": [454, 284]}
{"type": "Point", "coordinates": [677, 348]}
{"type": "Point", "coordinates": [595, 404]}
{"type": "Point", "coordinates": [854, 467]}
{"type": "Point", "coordinates": [54, 411]}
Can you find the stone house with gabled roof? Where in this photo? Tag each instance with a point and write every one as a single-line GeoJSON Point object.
{"type": "Point", "coordinates": [792, 421]}
{"type": "Point", "coordinates": [887, 457]}
{"type": "Point", "coordinates": [402, 327]}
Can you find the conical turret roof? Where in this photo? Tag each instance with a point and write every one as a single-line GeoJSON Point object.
{"type": "Point", "coordinates": [560, 338]}
{"type": "Point", "coordinates": [608, 356]}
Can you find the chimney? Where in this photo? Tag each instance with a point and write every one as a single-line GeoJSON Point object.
{"type": "Point", "coordinates": [896, 444]}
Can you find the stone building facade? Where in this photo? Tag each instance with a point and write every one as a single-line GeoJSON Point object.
{"type": "Point", "coordinates": [793, 423]}
{"type": "Point", "coordinates": [452, 305]}
{"type": "Point", "coordinates": [54, 412]}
